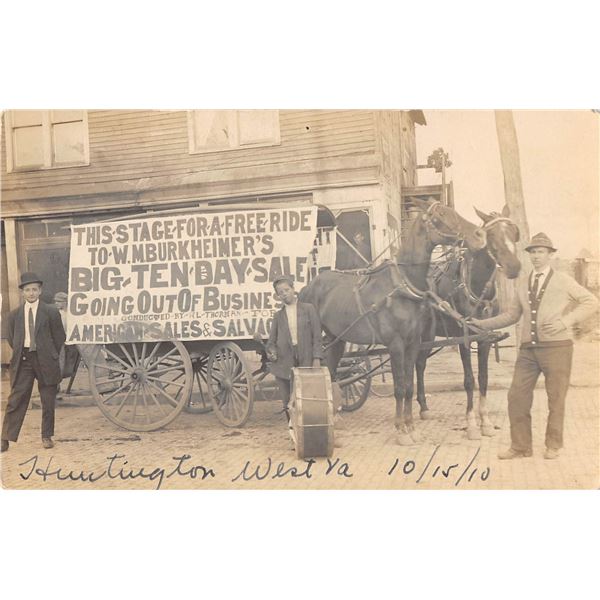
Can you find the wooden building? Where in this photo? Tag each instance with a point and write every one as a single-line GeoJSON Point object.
{"type": "Point", "coordinates": [64, 167]}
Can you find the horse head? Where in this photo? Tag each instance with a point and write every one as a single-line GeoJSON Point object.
{"type": "Point", "coordinates": [445, 226]}
{"type": "Point", "coordinates": [502, 236]}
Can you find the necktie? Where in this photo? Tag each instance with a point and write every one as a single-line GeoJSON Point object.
{"type": "Point", "coordinates": [536, 283]}
{"type": "Point", "coordinates": [32, 346]}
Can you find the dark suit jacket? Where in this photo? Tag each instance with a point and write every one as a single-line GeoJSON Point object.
{"type": "Point", "coordinates": [49, 339]}
{"type": "Point", "coordinates": [309, 340]}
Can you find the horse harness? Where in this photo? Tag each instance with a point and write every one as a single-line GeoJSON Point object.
{"type": "Point", "coordinates": [402, 287]}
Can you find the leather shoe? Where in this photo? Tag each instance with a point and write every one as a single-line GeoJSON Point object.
{"type": "Point", "coordinates": [551, 453]}
{"type": "Point", "coordinates": [510, 454]}
{"type": "Point", "coordinates": [4, 446]}
{"type": "Point", "coordinates": [47, 443]}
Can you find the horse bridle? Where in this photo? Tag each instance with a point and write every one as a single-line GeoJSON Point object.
{"type": "Point", "coordinates": [490, 282]}
{"type": "Point", "coordinates": [430, 223]}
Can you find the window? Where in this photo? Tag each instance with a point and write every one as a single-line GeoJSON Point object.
{"type": "Point", "coordinates": [217, 130]}
{"type": "Point", "coordinates": [353, 249]}
{"type": "Point", "coordinates": [46, 139]}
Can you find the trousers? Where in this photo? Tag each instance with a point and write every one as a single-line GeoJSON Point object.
{"type": "Point", "coordinates": [555, 363]}
{"type": "Point", "coordinates": [20, 394]}
{"type": "Point", "coordinates": [285, 385]}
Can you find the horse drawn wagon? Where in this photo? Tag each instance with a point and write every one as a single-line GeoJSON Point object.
{"type": "Point", "coordinates": [177, 306]}
{"type": "Point", "coordinates": [174, 307]}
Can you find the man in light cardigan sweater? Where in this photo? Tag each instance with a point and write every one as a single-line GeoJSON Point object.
{"type": "Point", "coordinates": [548, 304]}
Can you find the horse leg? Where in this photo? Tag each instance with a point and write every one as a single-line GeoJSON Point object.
{"type": "Point", "coordinates": [397, 361]}
{"type": "Point", "coordinates": [483, 354]}
{"type": "Point", "coordinates": [427, 335]}
{"type": "Point", "coordinates": [421, 365]}
{"type": "Point", "coordinates": [473, 432]}
{"type": "Point", "coordinates": [410, 357]}
{"type": "Point", "coordinates": [333, 355]}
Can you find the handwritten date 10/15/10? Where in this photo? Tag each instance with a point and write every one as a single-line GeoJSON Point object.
{"type": "Point", "coordinates": [433, 471]}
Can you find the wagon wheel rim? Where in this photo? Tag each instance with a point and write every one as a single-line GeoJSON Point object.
{"type": "Point", "coordinates": [355, 394]}
{"type": "Point", "coordinates": [231, 387]}
{"type": "Point", "coordinates": [199, 402]}
{"type": "Point", "coordinates": [141, 386]}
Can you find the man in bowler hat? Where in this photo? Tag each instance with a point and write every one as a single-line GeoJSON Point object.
{"type": "Point", "coordinates": [36, 335]}
{"type": "Point", "coordinates": [548, 304]}
{"type": "Point", "coordinates": [295, 338]}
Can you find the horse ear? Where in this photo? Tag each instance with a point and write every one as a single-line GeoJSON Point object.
{"type": "Point", "coordinates": [485, 218]}
{"type": "Point", "coordinates": [506, 211]}
{"type": "Point", "coordinates": [420, 204]}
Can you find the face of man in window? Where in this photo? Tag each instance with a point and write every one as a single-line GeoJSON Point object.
{"type": "Point", "coordinates": [285, 292]}
{"type": "Point", "coordinates": [540, 258]}
{"type": "Point", "coordinates": [32, 291]}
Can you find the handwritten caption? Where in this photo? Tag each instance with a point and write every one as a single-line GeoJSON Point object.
{"type": "Point", "coordinates": [118, 468]}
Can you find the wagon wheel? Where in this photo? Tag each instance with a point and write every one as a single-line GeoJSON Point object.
{"type": "Point", "coordinates": [354, 394]}
{"type": "Point", "coordinates": [141, 386]}
{"type": "Point", "coordinates": [199, 402]}
{"type": "Point", "coordinates": [231, 387]}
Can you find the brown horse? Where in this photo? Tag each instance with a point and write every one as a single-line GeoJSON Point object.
{"type": "Point", "coordinates": [387, 304]}
{"type": "Point", "coordinates": [467, 282]}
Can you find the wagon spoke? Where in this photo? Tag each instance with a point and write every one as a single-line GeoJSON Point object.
{"type": "Point", "coordinates": [142, 358]}
{"type": "Point", "coordinates": [222, 360]}
{"type": "Point", "coordinates": [156, 347]}
{"type": "Point", "coordinates": [119, 389]}
{"type": "Point", "coordinates": [124, 400]}
{"type": "Point", "coordinates": [106, 380]}
{"type": "Point", "coordinates": [135, 354]}
{"type": "Point", "coordinates": [166, 383]}
{"type": "Point", "coordinates": [145, 402]}
{"type": "Point", "coordinates": [170, 398]}
{"type": "Point", "coordinates": [126, 353]}
{"type": "Point", "coordinates": [162, 358]}
{"type": "Point", "coordinates": [234, 406]}
{"type": "Point", "coordinates": [110, 368]}
{"type": "Point", "coordinates": [160, 406]}
{"type": "Point", "coordinates": [178, 367]}
{"type": "Point", "coordinates": [135, 401]}
{"type": "Point", "coordinates": [118, 359]}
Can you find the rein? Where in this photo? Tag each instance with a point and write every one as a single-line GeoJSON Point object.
{"type": "Point", "coordinates": [401, 282]}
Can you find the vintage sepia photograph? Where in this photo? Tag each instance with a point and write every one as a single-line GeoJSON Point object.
{"type": "Point", "coordinates": [300, 299]}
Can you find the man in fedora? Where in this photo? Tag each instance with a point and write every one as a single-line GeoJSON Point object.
{"type": "Point", "coordinates": [295, 337]}
{"type": "Point", "coordinates": [36, 335]}
{"type": "Point", "coordinates": [548, 304]}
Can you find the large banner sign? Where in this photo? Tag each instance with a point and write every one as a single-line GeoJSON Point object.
{"type": "Point", "coordinates": [200, 276]}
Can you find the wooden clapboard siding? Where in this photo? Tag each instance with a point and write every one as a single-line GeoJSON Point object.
{"type": "Point", "coordinates": [396, 155]}
{"type": "Point", "coordinates": [146, 146]}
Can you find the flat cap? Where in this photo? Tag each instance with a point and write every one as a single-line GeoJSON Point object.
{"type": "Point", "coordinates": [287, 278]}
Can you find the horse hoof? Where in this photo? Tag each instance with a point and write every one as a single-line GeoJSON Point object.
{"type": "Point", "coordinates": [487, 430]}
{"type": "Point", "coordinates": [426, 415]}
{"type": "Point", "coordinates": [404, 439]}
{"type": "Point", "coordinates": [473, 433]}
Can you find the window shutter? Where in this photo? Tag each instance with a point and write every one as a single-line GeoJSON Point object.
{"type": "Point", "coordinates": [67, 143]}
{"type": "Point", "coordinates": [258, 127]}
{"type": "Point", "coordinates": [213, 129]}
